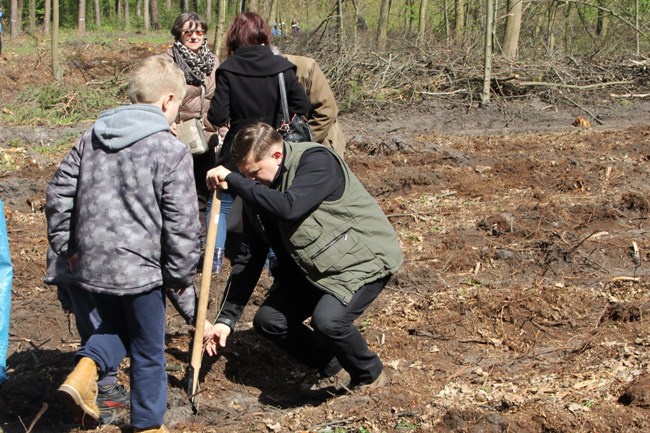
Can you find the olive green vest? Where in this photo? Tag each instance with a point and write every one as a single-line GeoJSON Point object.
{"type": "Point", "coordinates": [343, 244]}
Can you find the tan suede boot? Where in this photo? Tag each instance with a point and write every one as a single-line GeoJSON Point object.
{"type": "Point", "coordinates": [161, 429]}
{"type": "Point", "coordinates": [79, 391]}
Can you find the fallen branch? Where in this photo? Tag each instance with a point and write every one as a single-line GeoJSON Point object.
{"type": "Point", "coordinates": [629, 95]}
{"type": "Point", "coordinates": [573, 86]}
{"type": "Point", "coordinates": [443, 93]}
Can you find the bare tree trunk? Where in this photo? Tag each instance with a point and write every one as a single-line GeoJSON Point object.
{"type": "Point", "coordinates": [422, 23]}
{"type": "Point", "coordinates": [447, 27]}
{"type": "Point", "coordinates": [118, 9]}
{"type": "Point", "coordinates": [81, 19]}
{"type": "Point", "coordinates": [147, 17]}
{"type": "Point", "coordinates": [552, 10]}
{"type": "Point", "coordinates": [32, 16]}
{"type": "Point", "coordinates": [98, 14]}
{"type": "Point", "coordinates": [272, 13]}
{"type": "Point", "coordinates": [13, 20]}
{"type": "Point", "coordinates": [354, 21]}
{"type": "Point", "coordinates": [19, 20]}
{"type": "Point", "coordinates": [153, 10]}
{"type": "Point", "coordinates": [208, 10]}
{"type": "Point", "coordinates": [601, 23]}
{"type": "Point", "coordinates": [57, 71]}
{"type": "Point", "coordinates": [339, 22]}
{"type": "Point", "coordinates": [487, 70]}
{"type": "Point", "coordinates": [382, 28]}
{"type": "Point", "coordinates": [636, 24]}
{"type": "Point", "coordinates": [186, 5]}
{"type": "Point", "coordinates": [127, 16]}
{"type": "Point", "coordinates": [138, 9]}
{"type": "Point", "coordinates": [459, 22]}
{"type": "Point", "coordinates": [513, 27]}
{"type": "Point", "coordinates": [221, 24]}
{"type": "Point", "coordinates": [47, 17]}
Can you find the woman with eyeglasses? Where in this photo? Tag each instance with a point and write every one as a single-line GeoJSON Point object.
{"type": "Point", "coordinates": [190, 51]}
{"type": "Point", "coordinates": [248, 92]}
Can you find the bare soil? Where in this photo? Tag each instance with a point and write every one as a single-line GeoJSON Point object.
{"type": "Point", "coordinates": [521, 306]}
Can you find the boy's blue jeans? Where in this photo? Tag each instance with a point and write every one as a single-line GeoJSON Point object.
{"type": "Point", "coordinates": [82, 305]}
{"type": "Point", "coordinates": [134, 324]}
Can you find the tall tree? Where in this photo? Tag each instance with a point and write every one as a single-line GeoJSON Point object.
{"type": "Point", "coordinates": [422, 21]}
{"type": "Point", "coordinates": [221, 24]}
{"type": "Point", "coordinates": [147, 17]}
{"type": "Point", "coordinates": [19, 17]}
{"type": "Point", "coordinates": [513, 27]}
{"type": "Point", "coordinates": [487, 68]}
{"type": "Point", "coordinates": [601, 23]}
{"type": "Point", "coordinates": [98, 14]}
{"type": "Point", "coordinates": [57, 70]}
{"type": "Point", "coordinates": [382, 28]}
{"type": "Point", "coordinates": [46, 16]}
{"type": "Point", "coordinates": [339, 23]}
{"type": "Point", "coordinates": [32, 16]}
{"type": "Point", "coordinates": [459, 19]}
{"type": "Point", "coordinates": [81, 18]}
{"type": "Point", "coordinates": [13, 19]}
{"type": "Point", "coordinates": [153, 10]}
{"type": "Point", "coordinates": [127, 16]}
{"type": "Point", "coordinates": [272, 13]}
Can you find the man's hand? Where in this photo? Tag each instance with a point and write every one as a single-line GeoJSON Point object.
{"type": "Point", "coordinates": [216, 337]}
{"type": "Point", "coordinates": [172, 129]}
{"type": "Point", "coordinates": [217, 177]}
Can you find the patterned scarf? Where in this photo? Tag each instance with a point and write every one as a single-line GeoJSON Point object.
{"type": "Point", "coordinates": [195, 65]}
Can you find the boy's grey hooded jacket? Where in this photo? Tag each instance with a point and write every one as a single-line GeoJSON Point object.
{"type": "Point", "coordinates": [124, 201]}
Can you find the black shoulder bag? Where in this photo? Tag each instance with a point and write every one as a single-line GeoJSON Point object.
{"type": "Point", "coordinates": [297, 129]}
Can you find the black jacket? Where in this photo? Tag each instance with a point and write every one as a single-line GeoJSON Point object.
{"type": "Point", "coordinates": [247, 92]}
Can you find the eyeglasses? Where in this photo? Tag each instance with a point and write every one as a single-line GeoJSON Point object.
{"type": "Point", "coordinates": [198, 33]}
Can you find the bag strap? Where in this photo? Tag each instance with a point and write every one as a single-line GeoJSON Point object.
{"type": "Point", "coordinates": [202, 98]}
{"type": "Point", "coordinates": [283, 98]}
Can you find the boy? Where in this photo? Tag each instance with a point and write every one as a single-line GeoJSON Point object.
{"type": "Point", "coordinates": [122, 208]}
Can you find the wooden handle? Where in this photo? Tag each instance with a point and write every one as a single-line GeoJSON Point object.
{"type": "Point", "coordinates": [204, 294]}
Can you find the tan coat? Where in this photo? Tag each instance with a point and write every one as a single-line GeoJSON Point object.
{"type": "Point", "coordinates": [324, 118]}
{"type": "Point", "coordinates": [191, 106]}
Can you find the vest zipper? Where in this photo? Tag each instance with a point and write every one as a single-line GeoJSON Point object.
{"type": "Point", "coordinates": [343, 236]}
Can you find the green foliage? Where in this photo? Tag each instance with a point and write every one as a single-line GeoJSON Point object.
{"type": "Point", "coordinates": [56, 104]}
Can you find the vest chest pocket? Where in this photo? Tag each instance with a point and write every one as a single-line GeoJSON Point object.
{"type": "Point", "coordinates": [340, 253]}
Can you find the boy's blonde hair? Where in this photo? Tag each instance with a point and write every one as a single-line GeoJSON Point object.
{"type": "Point", "coordinates": [154, 77]}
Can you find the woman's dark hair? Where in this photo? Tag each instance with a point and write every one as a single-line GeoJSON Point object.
{"type": "Point", "coordinates": [198, 23]}
{"type": "Point", "coordinates": [246, 30]}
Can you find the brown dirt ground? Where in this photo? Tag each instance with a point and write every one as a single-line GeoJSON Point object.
{"type": "Point", "coordinates": [521, 305]}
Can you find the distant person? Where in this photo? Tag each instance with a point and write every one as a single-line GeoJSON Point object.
{"type": "Point", "coordinates": [248, 92]}
{"type": "Point", "coordinates": [361, 23]}
{"type": "Point", "coordinates": [335, 249]}
{"type": "Point", "coordinates": [295, 26]}
{"type": "Point", "coordinates": [122, 209]}
{"type": "Point", "coordinates": [2, 19]}
{"type": "Point", "coordinates": [323, 117]}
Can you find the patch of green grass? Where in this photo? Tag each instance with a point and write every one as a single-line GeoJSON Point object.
{"type": "Point", "coordinates": [7, 163]}
{"type": "Point", "coordinates": [60, 104]}
{"type": "Point", "coordinates": [406, 425]}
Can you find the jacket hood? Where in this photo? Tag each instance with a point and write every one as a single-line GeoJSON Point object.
{"type": "Point", "coordinates": [121, 127]}
{"type": "Point", "coordinates": [255, 61]}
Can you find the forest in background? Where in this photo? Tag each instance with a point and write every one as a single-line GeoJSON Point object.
{"type": "Point", "coordinates": [557, 51]}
